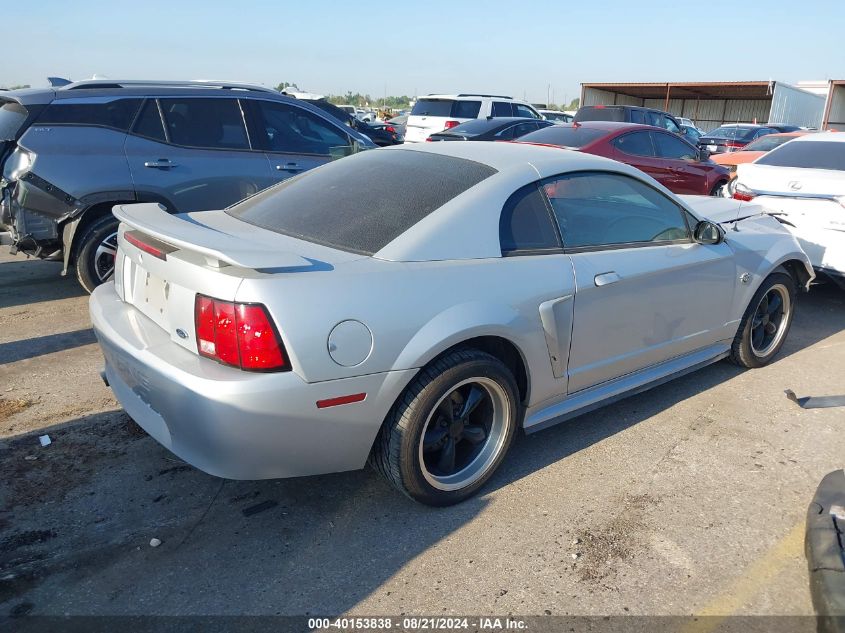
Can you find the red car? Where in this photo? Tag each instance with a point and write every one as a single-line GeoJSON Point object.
{"type": "Point", "coordinates": [664, 156]}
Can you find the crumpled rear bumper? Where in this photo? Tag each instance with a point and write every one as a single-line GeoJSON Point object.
{"type": "Point", "coordinates": [824, 546]}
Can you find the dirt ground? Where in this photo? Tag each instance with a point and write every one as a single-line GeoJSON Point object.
{"type": "Point", "coordinates": [689, 498]}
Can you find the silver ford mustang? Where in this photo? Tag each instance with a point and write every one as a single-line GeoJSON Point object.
{"type": "Point", "coordinates": [415, 306]}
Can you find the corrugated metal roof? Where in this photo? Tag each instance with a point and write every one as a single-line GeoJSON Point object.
{"type": "Point", "coordinates": [690, 89]}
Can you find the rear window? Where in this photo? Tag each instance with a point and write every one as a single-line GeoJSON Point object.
{"type": "Point", "coordinates": [446, 108]}
{"type": "Point", "coordinates": [768, 142]}
{"type": "Point", "coordinates": [812, 155]}
{"type": "Point", "coordinates": [101, 111]}
{"type": "Point", "coordinates": [12, 117]}
{"type": "Point", "coordinates": [563, 135]}
{"type": "Point", "coordinates": [362, 203]}
{"type": "Point", "coordinates": [473, 128]}
{"type": "Point", "coordinates": [733, 133]}
{"type": "Point", "coordinates": [600, 114]}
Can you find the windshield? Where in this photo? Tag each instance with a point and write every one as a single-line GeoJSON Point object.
{"type": "Point", "coordinates": [768, 142]}
{"type": "Point", "coordinates": [733, 133]}
{"type": "Point", "coordinates": [12, 117]}
{"type": "Point", "coordinates": [363, 202]}
{"type": "Point", "coordinates": [563, 135]}
{"type": "Point", "coordinates": [807, 155]}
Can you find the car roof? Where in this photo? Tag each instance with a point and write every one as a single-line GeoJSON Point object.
{"type": "Point", "coordinates": [504, 157]}
{"type": "Point", "coordinates": [821, 137]}
{"type": "Point", "coordinates": [613, 126]}
{"type": "Point", "coordinates": [467, 226]}
{"type": "Point", "coordinates": [142, 88]}
{"type": "Point", "coordinates": [622, 105]}
{"type": "Point", "coordinates": [744, 125]}
{"type": "Point", "coordinates": [493, 122]}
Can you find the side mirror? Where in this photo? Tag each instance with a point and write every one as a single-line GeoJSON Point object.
{"type": "Point", "coordinates": [703, 154]}
{"type": "Point", "coordinates": [707, 232]}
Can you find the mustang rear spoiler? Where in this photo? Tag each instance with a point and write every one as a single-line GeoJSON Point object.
{"type": "Point", "coordinates": [218, 248]}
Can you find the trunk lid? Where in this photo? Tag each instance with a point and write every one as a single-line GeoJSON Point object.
{"type": "Point", "coordinates": [794, 182]}
{"type": "Point", "coordinates": [164, 261]}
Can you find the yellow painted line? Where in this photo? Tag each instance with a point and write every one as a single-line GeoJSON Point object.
{"type": "Point", "coordinates": [759, 574]}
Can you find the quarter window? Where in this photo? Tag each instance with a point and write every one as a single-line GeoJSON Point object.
{"type": "Point", "coordinates": [595, 209]}
{"type": "Point", "coordinates": [526, 224]}
{"type": "Point", "coordinates": [654, 118]}
{"type": "Point", "coordinates": [206, 123]}
{"type": "Point", "coordinates": [637, 116]}
{"type": "Point", "coordinates": [104, 112]}
{"type": "Point", "coordinates": [287, 128]}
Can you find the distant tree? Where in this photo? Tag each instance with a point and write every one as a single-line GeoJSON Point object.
{"type": "Point", "coordinates": [285, 84]}
{"type": "Point", "coordinates": [574, 104]}
{"type": "Point", "coordinates": [15, 87]}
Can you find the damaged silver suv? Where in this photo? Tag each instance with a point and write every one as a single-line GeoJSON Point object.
{"type": "Point", "coordinates": [69, 154]}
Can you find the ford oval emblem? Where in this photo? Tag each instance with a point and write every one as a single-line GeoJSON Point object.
{"type": "Point", "coordinates": [181, 333]}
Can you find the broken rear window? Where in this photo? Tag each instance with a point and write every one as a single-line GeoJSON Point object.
{"type": "Point", "coordinates": [363, 202]}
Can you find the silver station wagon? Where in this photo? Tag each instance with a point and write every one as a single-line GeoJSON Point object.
{"type": "Point", "coordinates": [415, 306]}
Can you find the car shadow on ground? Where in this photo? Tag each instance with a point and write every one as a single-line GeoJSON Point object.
{"type": "Point", "coordinates": [77, 521]}
{"type": "Point", "coordinates": [25, 281]}
{"type": "Point", "coordinates": [38, 346]}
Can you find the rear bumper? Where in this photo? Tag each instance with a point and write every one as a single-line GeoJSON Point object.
{"type": "Point", "coordinates": [824, 546]}
{"type": "Point", "coordinates": [231, 423]}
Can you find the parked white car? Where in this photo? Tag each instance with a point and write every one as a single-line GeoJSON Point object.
{"type": "Point", "coordinates": [434, 113]}
{"type": "Point", "coordinates": [804, 180]}
{"type": "Point", "coordinates": [557, 116]}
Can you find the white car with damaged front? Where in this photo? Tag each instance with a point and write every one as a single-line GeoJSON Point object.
{"type": "Point", "coordinates": [803, 182]}
{"type": "Point", "coordinates": [417, 306]}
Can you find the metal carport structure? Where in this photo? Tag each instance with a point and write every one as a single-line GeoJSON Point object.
{"type": "Point", "coordinates": [710, 104]}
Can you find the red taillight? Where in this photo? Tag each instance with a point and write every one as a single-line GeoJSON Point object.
{"type": "Point", "coordinates": [733, 144]}
{"type": "Point", "coordinates": [451, 124]}
{"type": "Point", "coordinates": [257, 339]}
{"type": "Point", "coordinates": [238, 334]}
{"type": "Point", "coordinates": [428, 139]}
{"type": "Point", "coordinates": [745, 197]}
{"type": "Point", "coordinates": [134, 238]}
{"type": "Point", "coordinates": [391, 129]}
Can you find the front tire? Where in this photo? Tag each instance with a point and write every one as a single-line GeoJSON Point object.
{"type": "Point", "coordinates": [450, 428]}
{"type": "Point", "coordinates": [766, 322]}
{"type": "Point", "coordinates": [96, 252]}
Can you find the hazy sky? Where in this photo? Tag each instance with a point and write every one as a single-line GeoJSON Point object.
{"type": "Point", "coordinates": [409, 47]}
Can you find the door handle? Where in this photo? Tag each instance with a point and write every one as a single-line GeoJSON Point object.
{"type": "Point", "coordinates": [289, 167]}
{"type": "Point", "coordinates": [161, 163]}
{"type": "Point", "coordinates": [605, 279]}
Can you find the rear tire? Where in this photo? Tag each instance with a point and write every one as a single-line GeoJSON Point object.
{"type": "Point", "coordinates": [766, 322]}
{"type": "Point", "coordinates": [450, 428]}
{"type": "Point", "coordinates": [96, 250]}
